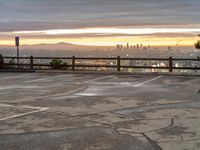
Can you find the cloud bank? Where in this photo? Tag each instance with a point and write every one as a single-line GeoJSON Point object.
{"type": "Point", "coordinates": [21, 15]}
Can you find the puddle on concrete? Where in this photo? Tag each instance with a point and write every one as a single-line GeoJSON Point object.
{"type": "Point", "coordinates": [87, 94]}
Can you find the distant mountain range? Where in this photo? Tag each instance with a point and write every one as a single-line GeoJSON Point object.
{"type": "Point", "coordinates": [58, 46]}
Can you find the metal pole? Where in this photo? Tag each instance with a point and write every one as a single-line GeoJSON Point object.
{"type": "Point", "coordinates": [18, 56]}
{"type": "Point", "coordinates": [17, 45]}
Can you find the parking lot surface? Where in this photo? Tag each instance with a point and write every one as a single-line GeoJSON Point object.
{"type": "Point", "coordinates": [60, 111]}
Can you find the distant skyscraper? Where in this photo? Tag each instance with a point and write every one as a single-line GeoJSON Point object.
{"type": "Point", "coordinates": [138, 46]}
{"type": "Point", "coordinates": [118, 46]}
{"type": "Point", "coordinates": [169, 48]}
{"type": "Point", "coordinates": [127, 46]}
{"type": "Point", "coordinates": [148, 47]}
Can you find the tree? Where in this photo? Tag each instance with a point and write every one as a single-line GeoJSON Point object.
{"type": "Point", "coordinates": [197, 45]}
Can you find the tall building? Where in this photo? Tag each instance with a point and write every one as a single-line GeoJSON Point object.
{"type": "Point", "coordinates": [169, 48]}
{"type": "Point", "coordinates": [138, 46]}
{"type": "Point", "coordinates": [118, 47]}
{"type": "Point", "coordinates": [127, 47]}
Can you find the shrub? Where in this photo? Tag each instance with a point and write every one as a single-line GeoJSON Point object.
{"type": "Point", "coordinates": [58, 64]}
{"type": "Point", "coordinates": [64, 65]}
{"type": "Point", "coordinates": [12, 63]}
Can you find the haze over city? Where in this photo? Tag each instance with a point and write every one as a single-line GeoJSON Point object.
{"type": "Point", "coordinates": [100, 23]}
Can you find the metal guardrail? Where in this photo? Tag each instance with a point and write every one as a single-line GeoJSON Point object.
{"type": "Point", "coordinates": [118, 65]}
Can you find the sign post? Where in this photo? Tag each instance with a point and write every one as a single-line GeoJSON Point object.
{"type": "Point", "coordinates": [17, 45]}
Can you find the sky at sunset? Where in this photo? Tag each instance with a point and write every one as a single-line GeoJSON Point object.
{"type": "Point", "coordinates": [100, 22]}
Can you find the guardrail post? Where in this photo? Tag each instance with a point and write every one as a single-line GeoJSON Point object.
{"type": "Point", "coordinates": [170, 64]}
{"type": "Point", "coordinates": [1, 62]}
{"type": "Point", "coordinates": [73, 62]}
{"type": "Point", "coordinates": [31, 62]}
{"type": "Point", "coordinates": [118, 64]}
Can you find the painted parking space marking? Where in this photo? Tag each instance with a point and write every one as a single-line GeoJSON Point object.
{"type": "Point", "coordinates": [70, 93]}
{"type": "Point", "coordinates": [96, 79]}
{"type": "Point", "coordinates": [38, 109]}
{"type": "Point", "coordinates": [44, 79]}
{"type": "Point", "coordinates": [65, 95]}
{"type": "Point", "coordinates": [148, 81]}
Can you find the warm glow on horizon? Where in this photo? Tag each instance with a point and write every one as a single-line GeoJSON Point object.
{"type": "Point", "coordinates": [107, 36]}
{"type": "Point", "coordinates": [109, 41]}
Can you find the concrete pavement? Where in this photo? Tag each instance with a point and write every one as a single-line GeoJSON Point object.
{"type": "Point", "coordinates": [60, 111]}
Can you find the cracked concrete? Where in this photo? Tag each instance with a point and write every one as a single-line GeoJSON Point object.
{"type": "Point", "coordinates": [99, 112]}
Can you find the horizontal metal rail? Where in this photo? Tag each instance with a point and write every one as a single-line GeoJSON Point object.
{"type": "Point", "coordinates": [146, 59]}
{"type": "Point", "coordinates": [117, 62]}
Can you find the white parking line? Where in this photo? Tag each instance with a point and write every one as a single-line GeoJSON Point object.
{"type": "Point", "coordinates": [142, 83]}
{"type": "Point", "coordinates": [72, 92]}
{"type": "Point", "coordinates": [43, 79]}
{"type": "Point", "coordinates": [56, 95]}
{"type": "Point", "coordinates": [15, 76]}
{"type": "Point", "coordinates": [19, 115]}
{"type": "Point", "coordinates": [39, 109]}
{"type": "Point", "coordinates": [30, 107]}
{"type": "Point", "coordinates": [96, 79]}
